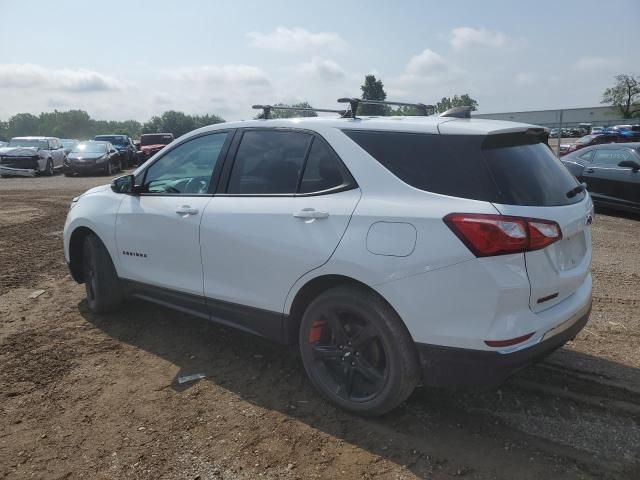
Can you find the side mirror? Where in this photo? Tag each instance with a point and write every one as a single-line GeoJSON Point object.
{"type": "Point", "coordinates": [125, 184]}
{"type": "Point", "coordinates": [632, 164]}
{"type": "Point", "coordinates": [113, 150]}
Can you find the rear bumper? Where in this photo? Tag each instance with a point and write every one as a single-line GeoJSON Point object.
{"type": "Point", "coordinates": [457, 367]}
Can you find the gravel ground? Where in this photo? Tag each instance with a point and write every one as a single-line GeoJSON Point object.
{"type": "Point", "coordinates": [86, 396]}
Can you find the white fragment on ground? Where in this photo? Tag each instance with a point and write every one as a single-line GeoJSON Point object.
{"type": "Point", "coordinates": [190, 378]}
{"type": "Point", "coordinates": [36, 293]}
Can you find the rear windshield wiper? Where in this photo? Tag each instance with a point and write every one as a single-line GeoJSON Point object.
{"type": "Point", "coordinates": [575, 191]}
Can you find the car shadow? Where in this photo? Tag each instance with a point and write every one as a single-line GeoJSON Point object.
{"type": "Point", "coordinates": [610, 212]}
{"type": "Point", "coordinates": [447, 430]}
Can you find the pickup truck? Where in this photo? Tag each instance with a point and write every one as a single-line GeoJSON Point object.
{"type": "Point", "coordinates": [152, 143]}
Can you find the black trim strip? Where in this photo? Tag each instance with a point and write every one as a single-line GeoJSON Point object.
{"type": "Point", "coordinates": [547, 298]}
{"type": "Point", "coordinates": [264, 323]}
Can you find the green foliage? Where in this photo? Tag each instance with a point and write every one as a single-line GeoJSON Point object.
{"type": "Point", "coordinates": [625, 95]}
{"type": "Point", "coordinates": [178, 123]}
{"type": "Point", "coordinates": [373, 89]}
{"type": "Point", "coordinates": [290, 113]}
{"type": "Point", "coordinates": [456, 101]}
{"type": "Point", "coordinates": [78, 124]}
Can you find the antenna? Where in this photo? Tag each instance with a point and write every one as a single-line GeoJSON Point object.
{"type": "Point", "coordinates": [268, 108]}
{"type": "Point", "coordinates": [458, 112]}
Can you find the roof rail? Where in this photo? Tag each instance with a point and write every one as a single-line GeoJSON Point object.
{"type": "Point", "coordinates": [423, 109]}
{"type": "Point", "coordinates": [458, 112]}
{"type": "Point", "coordinates": [266, 109]}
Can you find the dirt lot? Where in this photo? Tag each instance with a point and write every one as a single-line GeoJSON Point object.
{"type": "Point", "coordinates": [86, 396]}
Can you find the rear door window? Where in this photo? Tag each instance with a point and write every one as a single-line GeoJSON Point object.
{"type": "Point", "coordinates": [610, 157]}
{"type": "Point", "coordinates": [512, 169]}
{"type": "Point", "coordinates": [323, 170]}
{"type": "Point", "coordinates": [268, 162]}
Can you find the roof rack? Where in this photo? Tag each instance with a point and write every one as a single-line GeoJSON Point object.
{"type": "Point", "coordinates": [266, 110]}
{"type": "Point", "coordinates": [458, 112]}
{"type": "Point", "coordinates": [423, 109]}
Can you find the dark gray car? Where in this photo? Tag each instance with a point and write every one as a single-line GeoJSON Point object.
{"type": "Point", "coordinates": [611, 172]}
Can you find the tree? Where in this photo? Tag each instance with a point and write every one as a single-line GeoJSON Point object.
{"type": "Point", "coordinates": [178, 123]}
{"type": "Point", "coordinates": [625, 95]}
{"type": "Point", "coordinates": [289, 113]}
{"type": "Point", "coordinates": [456, 101]}
{"type": "Point", "coordinates": [373, 89]}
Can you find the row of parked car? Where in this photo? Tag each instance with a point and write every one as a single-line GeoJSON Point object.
{"type": "Point", "coordinates": [601, 136]}
{"type": "Point", "coordinates": [34, 155]}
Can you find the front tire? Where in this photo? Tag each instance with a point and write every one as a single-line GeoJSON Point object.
{"type": "Point", "coordinates": [357, 352]}
{"type": "Point", "coordinates": [108, 169]}
{"type": "Point", "coordinates": [104, 291]}
{"type": "Point", "coordinates": [48, 170]}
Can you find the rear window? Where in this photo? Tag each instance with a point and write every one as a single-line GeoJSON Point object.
{"type": "Point", "coordinates": [512, 169]}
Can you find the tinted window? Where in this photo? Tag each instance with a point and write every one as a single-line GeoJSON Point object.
{"type": "Point", "coordinates": [323, 170]}
{"type": "Point", "coordinates": [156, 139]}
{"type": "Point", "coordinates": [186, 169]}
{"type": "Point", "coordinates": [268, 162]}
{"type": "Point", "coordinates": [515, 169]}
{"type": "Point", "coordinates": [433, 163]}
{"type": "Point", "coordinates": [611, 156]}
{"type": "Point", "coordinates": [527, 172]}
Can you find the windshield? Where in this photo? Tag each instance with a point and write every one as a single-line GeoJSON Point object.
{"type": "Point", "coordinates": [20, 142]}
{"type": "Point", "coordinates": [87, 147]}
{"type": "Point", "coordinates": [68, 143]}
{"type": "Point", "coordinates": [115, 139]}
{"type": "Point", "coordinates": [157, 139]}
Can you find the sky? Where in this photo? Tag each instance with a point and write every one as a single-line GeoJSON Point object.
{"type": "Point", "coordinates": [130, 60]}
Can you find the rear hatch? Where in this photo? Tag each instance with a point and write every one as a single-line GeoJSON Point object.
{"type": "Point", "coordinates": [533, 183]}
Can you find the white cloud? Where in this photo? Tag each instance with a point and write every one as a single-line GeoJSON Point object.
{"type": "Point", "coordinates": [469, 37]}
{"type": "Point", "coordinates": [222, 74]}
{"type": "Point", "coordinates": [28, 76]}
{"type": "Point", "coordinates": [426, 63]}
{"type": "Point", "coordinates": [593, 63]}
{"type": "Point", "coordinates": [323, 69]}
{"type": "Point", "coordinates": [295, 40]}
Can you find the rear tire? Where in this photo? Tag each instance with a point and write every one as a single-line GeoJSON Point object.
{"type": "Point", "coordinates": [104, 291]}
{"type": "Point", "coordinates": [357, 351]}
{"type": "Point", "coordinates": [108, 169]}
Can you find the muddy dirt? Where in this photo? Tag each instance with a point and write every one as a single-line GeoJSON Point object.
{"type": "Point", "coordinates": [86, 396]}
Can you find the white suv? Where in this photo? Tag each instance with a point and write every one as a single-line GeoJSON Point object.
{"type": "Point", "coordinates": [392, 251]}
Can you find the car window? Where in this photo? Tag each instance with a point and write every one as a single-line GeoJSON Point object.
{"type": "Point", "coordinates": [514, 169]}
{"type": "Point", "coordinates": [268, 162]}
{"type": "Point", "coordinates": [324, 170]}
{"type": "Point", "coordinates": [611, 156]}
{"type": "Point", "coordinates": [588, 156]}
{"type": "Point", "coordinates": [186, 169]}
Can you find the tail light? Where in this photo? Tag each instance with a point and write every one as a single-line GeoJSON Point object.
{"type": "Point", "coordinates": [488, 235]}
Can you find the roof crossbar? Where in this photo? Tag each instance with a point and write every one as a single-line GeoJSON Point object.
{"type": "Point", "coordinates": [423, 110]}
{"type": "Point", "coordinates": [458, 112]}
{"type": "Point", "coordinates": [266, 109]}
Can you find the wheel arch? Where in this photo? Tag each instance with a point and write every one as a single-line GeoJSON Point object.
{"type": "Point", "coordinates": [310, 290]}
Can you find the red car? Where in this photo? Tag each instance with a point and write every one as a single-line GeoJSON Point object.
{"type": "Point", "coordinates": [152, 143]}
{"type": "Point", "coordinates": [599, 139]}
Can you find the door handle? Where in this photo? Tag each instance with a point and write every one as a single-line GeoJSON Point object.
{"type": "Point", "coordinates": [311, 213]}
{"type": "Point", "coordinates": [590, 170]}
{"type": "Point", "coordinates": [186, 210]}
